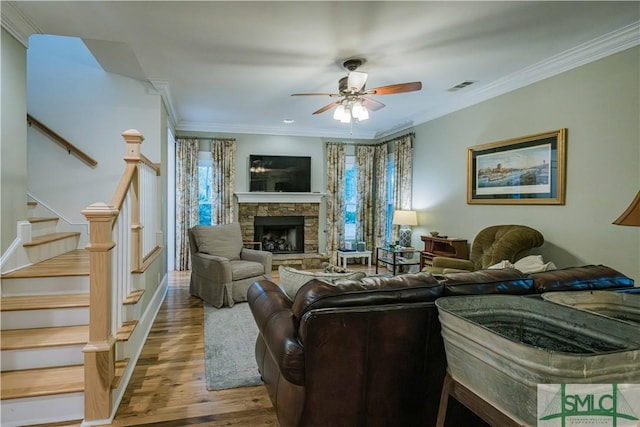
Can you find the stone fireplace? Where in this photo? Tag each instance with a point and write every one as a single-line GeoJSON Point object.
{"type": "Point", "coordinates": [279, 208]}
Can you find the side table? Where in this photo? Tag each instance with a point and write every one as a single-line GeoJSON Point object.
{"type": "Point", "coordinates": [352, 254]}
{"type": "Point", "coordinates": [396, 258]}
{"type": "Point", "coordinates": [442, 246]}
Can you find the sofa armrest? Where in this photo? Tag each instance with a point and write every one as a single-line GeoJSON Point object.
{"type": "Point", "coordinates": [263, 257]}
{"type": "Point", "coordinates": [271, 310]}
{"type": "Point", "coordinates": [453, 263]}
{"type": "Point", "coordinates": [215, 268]}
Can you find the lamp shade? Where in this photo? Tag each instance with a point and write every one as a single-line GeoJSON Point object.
{"type": "Point", "coordinates": [405, 218]}
{"type": "Point", "coordinates": [356, 80]}
{"type": "Point", "coordinates": [632, 215]}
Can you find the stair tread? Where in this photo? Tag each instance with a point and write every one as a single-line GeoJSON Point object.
{"type": "Point", "coordinates": [42, 382]}
{"type": "Point", "coordinates": [51, 237]}
{"type": "Point", "coordinates": [18, 339]}
{"type": "Point", "coordinates": [126, 330]}
{"type": "Point", "coordinates": [133, 297]}
{"type": "Point", "coordinates": [40, 302]}
{"type": "Point", "coordinates": [72, 263]}
{"type": "Point", "coordinates": [36, 219]}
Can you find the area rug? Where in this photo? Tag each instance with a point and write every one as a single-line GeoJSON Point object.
{"type": "Point", "coordinates": [229, 347]}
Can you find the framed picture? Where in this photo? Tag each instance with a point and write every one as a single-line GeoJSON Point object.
{"type": "Point", "coordinates": [527, 170]}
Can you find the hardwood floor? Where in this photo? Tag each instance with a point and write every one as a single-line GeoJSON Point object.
{"type": "Point", "coordinates": [168, 386]}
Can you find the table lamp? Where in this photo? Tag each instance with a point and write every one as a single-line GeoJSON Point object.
{"type": "Point", "coordinates": [631, 216]}
{"type": "Point", "coordinates": [405, 219]}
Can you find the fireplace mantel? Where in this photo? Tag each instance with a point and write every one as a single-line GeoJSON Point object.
{"type": "Point", "coordinates": [278, 197]}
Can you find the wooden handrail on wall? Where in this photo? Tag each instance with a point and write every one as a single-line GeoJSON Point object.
{"type": "Point", "coordinates": [71, 149]}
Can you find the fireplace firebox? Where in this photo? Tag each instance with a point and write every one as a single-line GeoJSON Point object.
{"type": "Point", "coordinates": [280, 234]}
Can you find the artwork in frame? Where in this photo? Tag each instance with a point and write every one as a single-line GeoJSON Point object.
{"type": "Point", "coordinates": [526, 170]}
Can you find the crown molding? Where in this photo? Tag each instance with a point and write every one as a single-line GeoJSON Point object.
{"type": "Point", "coordinates": [16, 23]}
{"type": "Point", "coordinates": [187, 126]}
{"type": "Point", "coordinates": [162, 87]}
{"type": "Point", "coordinates": [593, 50]}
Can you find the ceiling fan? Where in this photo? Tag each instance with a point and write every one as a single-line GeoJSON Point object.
{"type": "Point", "coordinates": [355, 103]}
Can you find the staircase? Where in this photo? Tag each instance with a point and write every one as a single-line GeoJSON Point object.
{"type": "Point", "coordinates": [45, 325]}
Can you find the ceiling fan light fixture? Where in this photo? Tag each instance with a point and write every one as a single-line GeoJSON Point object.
{"type": "Point", "coordinates": [339, 112]}
{"type": "Point", "coordinates": [359, 111]}
{"type": "Point", "coordinates": [356, 81]}
{"type": "Point", "coordinates": [346, 116]}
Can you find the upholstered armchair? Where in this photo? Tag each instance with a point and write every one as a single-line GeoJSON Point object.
{"type": "Point", "coordinates": [221, 268]}
{"type": "Point", "coordinates": [491, 246]}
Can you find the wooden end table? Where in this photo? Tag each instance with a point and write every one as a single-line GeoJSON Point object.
{"type": "Point", "coordinates": [352, 254]}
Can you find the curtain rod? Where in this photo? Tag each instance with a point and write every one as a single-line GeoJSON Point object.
{"type": "Point", "coordinates": [413, 134]}
{"type": "Point", "coordinates": [200, 138]}
{"type": "Point", "coordinates": [355, 144]}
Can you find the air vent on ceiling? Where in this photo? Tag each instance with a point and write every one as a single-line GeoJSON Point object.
{"type": "Point", "coordinates": [461, 85]}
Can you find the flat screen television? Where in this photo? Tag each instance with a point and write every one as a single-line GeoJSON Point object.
{"type": "Point", "coordinates": [279, 173]}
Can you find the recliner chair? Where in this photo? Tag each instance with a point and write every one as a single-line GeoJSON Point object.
{"type": "Point", "coordinates": [491, 246]}
{"type": "Point", "coordinates": [221, 268]}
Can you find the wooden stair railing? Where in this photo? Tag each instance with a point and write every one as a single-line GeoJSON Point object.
{"type": "Point", "coordinates": [124, 219]}
{"type": "Point", "coordinates": [71, 149]}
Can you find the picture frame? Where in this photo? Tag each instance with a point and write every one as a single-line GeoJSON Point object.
{"type": "Point", "coordinates": [528, 170]}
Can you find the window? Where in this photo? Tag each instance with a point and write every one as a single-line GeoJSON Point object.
{"type": "Point", "coordinates": [205, 202]}
{"type": "Point", "coordinates": [350, 198]}
{"type": "Point", "coordinates": [390, 181]}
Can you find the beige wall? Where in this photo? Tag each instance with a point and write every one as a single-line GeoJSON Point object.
{"type": "Point", "coordinates": [13, 154]}
{"type": "Point", "coordinates": [599, 104]}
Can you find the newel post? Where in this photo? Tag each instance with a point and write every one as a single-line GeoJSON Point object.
{"type": "Point", "coordinates": [99, 353]}
{"type": "Point", "coordinates": [134, 139]}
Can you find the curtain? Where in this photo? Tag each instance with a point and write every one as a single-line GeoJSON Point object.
{"type": "Point", "coordinates": [186, 198]}
{"type": "Point", "coordinates": [223, 182]}
{"type": "Point", "coordinates": [335, 197]}
{"type": "Point", "coordinates": [381, 196]}
{"type": "Point", "coordinates": [403, 174]}
{"type": "Point", "coordinates": [365, 156]}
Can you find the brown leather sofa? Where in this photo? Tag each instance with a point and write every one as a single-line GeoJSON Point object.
{"type": "Point", "coordinates": [369, 352]}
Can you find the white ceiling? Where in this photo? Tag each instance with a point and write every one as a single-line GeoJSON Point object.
{"type": "Point", "coordinates": [231, 66]}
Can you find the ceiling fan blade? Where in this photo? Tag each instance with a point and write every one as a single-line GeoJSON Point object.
{"type": "Point", "coordinates": [321, 94]}
{"type": "Point", "coordinates": [397, 88]}
{"type": "Point", "coordinates": [325, 108]}
{"type": "Point", "coordinates": [372, 104]}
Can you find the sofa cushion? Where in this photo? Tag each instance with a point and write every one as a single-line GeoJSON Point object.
{"type": "Point", "coordinates": [588, 277]}
{"type": "Point", "coordinates": [219, 240]}
{"type": "Point", "coordinates": [500, 281]}
{"type": "Point", "coordinates": [368, 291]}
{"type": "Point", "coordinates": [291, 279]}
